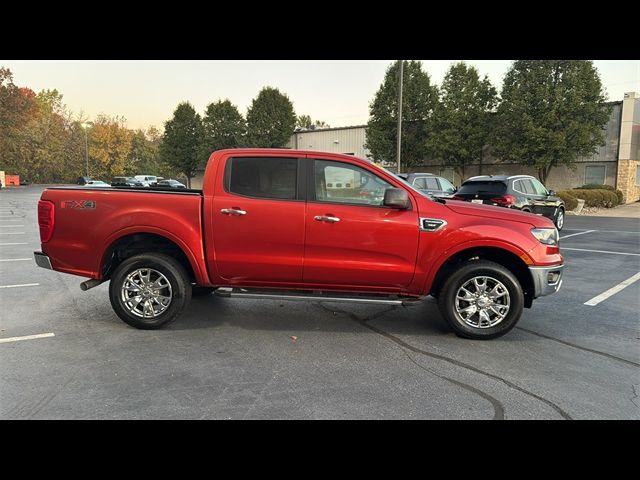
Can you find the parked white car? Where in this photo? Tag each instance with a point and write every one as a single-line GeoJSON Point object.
{"type": "Point", "coordinates": [147, 180]}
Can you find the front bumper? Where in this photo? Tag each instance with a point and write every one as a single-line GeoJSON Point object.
{"type": "Point", "coordinates": [42, 260]}
{"type": "Point", "coordinates": [546, 280]}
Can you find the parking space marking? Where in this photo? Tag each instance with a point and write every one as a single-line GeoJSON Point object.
{"type": "Point", "coordinates": [579, 233]}
{"type": "Point", "coordinates": [18, 243]}
{"type": "Point", "coordinates": [11, 233]}
{"type": "Point", "coordinates": [22, 285]}
{"type": "Point", "coordinates": [27, 337]}
{"type": "Point", "coordinates": [11, 226]}
{"type": "Point", "coordinates": [14, 259]}
{"type": "Point", "coordinates": [600, 251]}
{"type": "Point", "coordinates": [612, 291]}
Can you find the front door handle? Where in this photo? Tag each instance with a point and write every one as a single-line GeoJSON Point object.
{"type": "Point", "coordinates": [326, 218]}
{"type": "Point", "coordinates": [233, 211]}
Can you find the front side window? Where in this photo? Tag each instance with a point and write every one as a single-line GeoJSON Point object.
{"type": "Point", "coordinates": [528, 187]}
{"type": "Point", "coordinates": [446, 186]}
{"type": "Point", "coordinates": [263, 177]}
{"type": "Point", "coordinates": [540, 190]}
{"type": "Point", "coordinates": [337, 182]}
{"type": "Point", "coordinates": [426, 183]}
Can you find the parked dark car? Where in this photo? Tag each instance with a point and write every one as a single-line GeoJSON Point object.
{"type": "Point", "coordinates": [429, 183]}
{"type": "Point", "coordinates": [522, 192]}
{"type": "Point", "coordinates": [126, 182]}
{"type": "Point", "coordinates": [83, 180]}
{"type": "Point", "coordinates": [171, 183]}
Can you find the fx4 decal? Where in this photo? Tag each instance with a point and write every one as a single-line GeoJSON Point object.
{"type": "Point", "coordinates": [79, 204]}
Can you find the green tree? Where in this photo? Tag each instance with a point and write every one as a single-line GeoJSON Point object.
{"type": "Point", "coordinates": [551, 113]}
{"type": "Point", "coordinates": [463, 117]}
{"type": "Point", "coordinates": [181, 142]}
{"type": "Point", "coordinates": [304, 121]}
{"type": "Point", "coordinates": [271, 119]}
{"type": "Point", "coordinates": [223, 126]}
{"type": "Point", "coordinates": [418, 102]}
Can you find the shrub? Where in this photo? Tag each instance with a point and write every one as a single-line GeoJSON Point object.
{"type": "Point", "coordinates": [597, 198]}
{"type": "Point", "coordinates": [570, 202]}
{"type": "Point", "coordinates": [594, 186]}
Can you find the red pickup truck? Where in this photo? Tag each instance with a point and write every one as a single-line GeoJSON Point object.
{"type": "Point", "coordinates": [301, 225]}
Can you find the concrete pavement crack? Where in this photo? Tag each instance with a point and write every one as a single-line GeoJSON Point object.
{"type": "Point", "coordinates": [453, 361]}
{"type": "Point", "coordinates": [597, 352]}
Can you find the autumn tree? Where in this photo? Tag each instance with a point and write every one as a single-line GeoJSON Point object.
{"type": "Point", "coordinates": [223, 126]}
{"type": "Point", "coordinates": [551, 113]}
{"type": "Point", "coordinates": [109, 147]}
{"type": "Point", "coordinates": [271, 119]}
{"type": "Point", "coordinates": [463, 117]}
{"type": "Point", "coordinates": [304, 121]}
{"type": "Point", "coordinates": [419, 99]}
{"type": "Point", "coordinates": [181, 142]}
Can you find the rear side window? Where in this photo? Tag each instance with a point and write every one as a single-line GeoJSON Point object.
{"type": "Point", "coordinates": [497, 188]}
{"type": "Point", "coordinates": [262, 177]}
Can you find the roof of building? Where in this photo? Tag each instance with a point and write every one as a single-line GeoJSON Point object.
{"type": "Point", "coordinates": [311, 130]}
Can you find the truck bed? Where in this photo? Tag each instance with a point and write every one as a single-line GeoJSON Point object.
{"type": "Point", "coordinates": [90, 220]}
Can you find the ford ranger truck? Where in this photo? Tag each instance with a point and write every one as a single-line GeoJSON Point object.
{"type": "Point", "coordinates": [300, 225]}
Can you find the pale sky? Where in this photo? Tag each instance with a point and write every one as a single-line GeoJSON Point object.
{"type": "Point", "coordinates": [338, 92]}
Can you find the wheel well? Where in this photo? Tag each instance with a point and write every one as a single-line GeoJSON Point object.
{"type": "Point", "coordinates": [503, 257]}
{"type": "Point", "coordinates": [138, 243]}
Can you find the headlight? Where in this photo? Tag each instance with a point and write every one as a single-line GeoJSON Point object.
{"type": "Point", "coordinates": [547, 236]}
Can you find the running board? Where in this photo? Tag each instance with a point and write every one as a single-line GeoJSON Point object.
{"type": "Point", "coordinates": [320, 296]}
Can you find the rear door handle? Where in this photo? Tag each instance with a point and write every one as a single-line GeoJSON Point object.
{"type": "Point", "coordinates": [326, 218]}
{"type": "Point", "coordinates": [233, 211]}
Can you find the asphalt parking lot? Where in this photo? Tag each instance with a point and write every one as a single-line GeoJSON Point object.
{"type": "Point", "coordinates": [254, 359]}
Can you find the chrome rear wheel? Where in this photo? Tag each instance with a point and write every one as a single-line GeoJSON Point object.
{"type": "Point", "coordinates": [146, 293]}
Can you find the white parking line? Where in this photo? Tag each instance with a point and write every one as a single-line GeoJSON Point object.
{"type": "Point", "coordinates": [22, 285]}
{"type": "Point", "coordinates": [11, 233]}
{"type": "Point", "coordinates": [600, 251]}
{"type": "Point", "coordinates": [18, 243]}
{"type": "Point", "coordinates": [27, 337]}
{"type": "Point", "coordinates": [14, 259]}
{"type": "Point", "coordinates": [11, 226]}
{"type": "Point", "coordinates": [612, 291]}
{"type": "Point", "coordinates": [574, 234]}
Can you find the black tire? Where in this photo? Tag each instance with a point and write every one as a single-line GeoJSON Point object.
{"type": "Point", "coordinates": [469, 270]}
{"type": "Point", "coordinates": [197, 291]}
{"type": "Point", "coordinates": [176, 276]}
{"type": "Point", "coordinates": [559, 215]}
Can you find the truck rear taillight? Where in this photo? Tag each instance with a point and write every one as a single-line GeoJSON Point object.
{"type": "Point", "coordinates": [504, 201]}
{"type": "Point", "coordinates": [46, 219]}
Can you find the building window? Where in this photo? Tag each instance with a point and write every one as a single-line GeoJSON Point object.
{"type": "Point", "coordinates": [594, 174]}
{"type": "Point", "coordinates": [638, 175]}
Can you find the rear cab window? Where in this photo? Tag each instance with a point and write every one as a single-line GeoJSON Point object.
{"type": "Point", "coordinates": [262, 177]}
{"type": "Point", "coordinates": [490, 186]}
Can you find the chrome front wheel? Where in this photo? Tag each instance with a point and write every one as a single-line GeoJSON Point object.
{"type": "Point", "coordinates": [482, 302]}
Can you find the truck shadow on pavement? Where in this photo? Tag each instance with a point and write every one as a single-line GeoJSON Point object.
{"type": "Point", "coordinates": [291, 316]}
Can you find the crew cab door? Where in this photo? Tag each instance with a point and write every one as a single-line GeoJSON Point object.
{"type": "Point", "coordinates": [258, 219]}
{"type": "Point", "coordinates": [351, 238]}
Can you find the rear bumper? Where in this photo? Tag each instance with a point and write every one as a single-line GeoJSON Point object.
{"type": "Point", "coordinates": [42, 260]}
{"type": "Point", "coordinates": [546, 280]}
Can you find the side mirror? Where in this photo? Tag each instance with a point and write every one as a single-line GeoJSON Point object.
{"type": "Point", "coordinates": [552, 193]}
{"type": "Point", "coordinates": [396, 198]}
